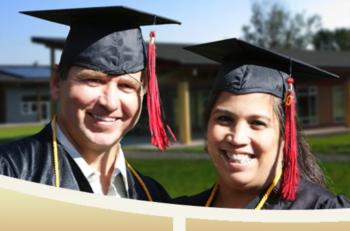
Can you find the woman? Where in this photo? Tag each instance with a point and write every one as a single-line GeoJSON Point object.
{"type": "Point", "coordinates": [262, 160]}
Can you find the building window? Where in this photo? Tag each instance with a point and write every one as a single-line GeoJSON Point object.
{"type": "Point", "coordinates": [307, 105]}
{"type": "Point", "coordinates": [29, 104]}
{"type": "Point", "coordinates": [338, 104]}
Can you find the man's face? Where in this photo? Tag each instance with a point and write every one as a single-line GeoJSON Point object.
{"type": "Point", "coordinates": [96, 110]}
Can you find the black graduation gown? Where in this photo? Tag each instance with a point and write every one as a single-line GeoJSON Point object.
{"type": "Point", "coordinates": [309, 196]}
{"type": "Point", "coordinates": [31, 159]}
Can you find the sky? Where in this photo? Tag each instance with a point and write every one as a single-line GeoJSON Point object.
{"type": "Point", "coordinates": [202, 21]}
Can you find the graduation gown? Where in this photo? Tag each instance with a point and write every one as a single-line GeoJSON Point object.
{"type": "Point", "coordinates": [31, 159]}
{"type": "Point", "coordinates": [309, 196]}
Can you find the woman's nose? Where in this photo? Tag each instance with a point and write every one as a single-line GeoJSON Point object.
{"type": "Point", "coordinates": [238, 135]}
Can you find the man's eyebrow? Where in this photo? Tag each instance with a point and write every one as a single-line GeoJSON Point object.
{"type": "Point", "coordinates": [128, 74]}
{"type": "Point", "coordinates": [88, 73]}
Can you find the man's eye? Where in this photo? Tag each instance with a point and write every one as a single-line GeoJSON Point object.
{"type": "Point", "coordinates": [93, 82]}
{"type": "Point", "coordinates": [128, 84]}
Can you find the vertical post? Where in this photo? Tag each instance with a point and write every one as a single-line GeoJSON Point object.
{"type": "Point", "coordinates": [52, 63]}
{"type": "Point", "coordinates": [184, 112]}
{"type": "Point", "coordinates": [52, 57]}
{"type": "Point", "coordinates": [347, 106]}
{"type": "Point", "coordinates": [39, 106]}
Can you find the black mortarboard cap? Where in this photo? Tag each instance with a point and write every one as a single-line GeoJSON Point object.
{"type": "Point", "coordinates": [106, 39]}
{"type": "Point", "coordinates": [246, 68]}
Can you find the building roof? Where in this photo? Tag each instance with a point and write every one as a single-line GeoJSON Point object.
{"type": "Point", "coordinates": [25, 72]}
{"type": "Point", "coordinates": [320, 58]}
{"type": "Point", "coordinates": [173, 52]}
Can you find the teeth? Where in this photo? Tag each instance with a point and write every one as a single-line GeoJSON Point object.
{"type": "Point", "coordinates": [238, 158]}
{"type": "Point", "coordinates": [104, 119]}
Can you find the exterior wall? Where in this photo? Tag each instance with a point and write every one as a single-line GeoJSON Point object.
{"type": "Point", "coordinates": [2, 106]}
{"type": "Point", "coordinates": [347, 102]}
{"type": "Point", "coordinates": [13, 99]}
{"type": "Point", "coordinates": [325, 106]}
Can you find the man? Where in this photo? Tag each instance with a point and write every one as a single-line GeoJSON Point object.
{"type": "Point", "coordinates": [99, 87]}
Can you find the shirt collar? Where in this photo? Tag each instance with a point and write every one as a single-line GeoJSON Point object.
{"type": "Point", "coordinates": [119, 166]}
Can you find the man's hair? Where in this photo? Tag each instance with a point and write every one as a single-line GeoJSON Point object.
{"type": "Point", "coordinates": [63, 71]}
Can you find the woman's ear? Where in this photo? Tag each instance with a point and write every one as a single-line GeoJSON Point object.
{"type": "Point", "coordinates": [54, 83]}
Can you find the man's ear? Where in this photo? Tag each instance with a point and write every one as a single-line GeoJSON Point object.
{"type": "Point", "coordinates": [54, 83]}
{"type": "Point", "coordinates": [144, 82]}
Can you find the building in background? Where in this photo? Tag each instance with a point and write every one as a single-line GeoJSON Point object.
{"type": "Point", "coordinates": [24, 94]}
{"type": "Point", "coordinates": [185, 80]}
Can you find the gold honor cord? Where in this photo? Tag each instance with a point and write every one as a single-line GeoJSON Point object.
{"type": "Point", "coordinates": [139, 179]}
{"type": "Point", "coordinates": [56, 163]}
{"type": "Point", "coordinates": [56, 170]}
{"type": "Point", "coordinates": [263, 199]}
{"type": "Point", "coordinates": [269, 190]}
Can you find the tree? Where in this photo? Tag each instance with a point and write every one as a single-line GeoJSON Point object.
{"type": "Point", "coordinates": [339, 39]}
{"type": "Point", "coordinates": [275, 27]}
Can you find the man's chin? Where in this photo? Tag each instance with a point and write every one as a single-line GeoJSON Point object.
{"type": "Point", "coordinates": [104, 140]}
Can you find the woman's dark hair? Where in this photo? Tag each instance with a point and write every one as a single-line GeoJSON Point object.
{"type": "Point", "coordinates": [308, 167]}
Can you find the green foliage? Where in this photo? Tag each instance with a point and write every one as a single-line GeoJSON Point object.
{"type": "Point", "coordinates": [273, 26]}
{"type": "Point", "coordinates": [338, 39]}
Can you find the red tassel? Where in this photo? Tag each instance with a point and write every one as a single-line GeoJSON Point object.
{"type": "Point", "coordinates": [291, 172]}
{"type": "Point", "coordinates": [156, 122]}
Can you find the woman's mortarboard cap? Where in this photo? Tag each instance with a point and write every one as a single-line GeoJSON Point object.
{"type": "Point", "coordinates": [246, 68]}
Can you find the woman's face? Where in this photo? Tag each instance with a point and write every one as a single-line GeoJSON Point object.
{"type": "Point", "coordinates": [244, 140]}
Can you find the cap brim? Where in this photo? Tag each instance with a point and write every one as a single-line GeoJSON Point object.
{"type": "Point", "coordinates": [110, 14]}
{"type": "Point", "coordinates": [240, 52]}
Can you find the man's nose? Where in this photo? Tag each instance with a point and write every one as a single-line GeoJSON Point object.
{"type": "Point", "coordinates": [110, 97]}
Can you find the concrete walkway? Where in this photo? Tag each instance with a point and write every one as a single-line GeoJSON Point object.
{"type": "Point", "coordinates": [326, 131]}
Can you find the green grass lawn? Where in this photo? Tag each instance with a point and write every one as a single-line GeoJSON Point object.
{"type": "Point", "coordinates": [330, 144]}
{"type": "Point", "coordinates": [16, 132]}
{"type": "Point", "coordinates": [338, 176]}
{"type": "Point", "coordinates": [191, 176]}
{"type": "Point", "coordinates": [180, 176]}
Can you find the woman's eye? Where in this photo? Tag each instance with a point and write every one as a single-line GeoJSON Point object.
{"type": "Point", "coordinates": [223, 119]}
{"type": "Point", "coordinates": [258, 123]}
